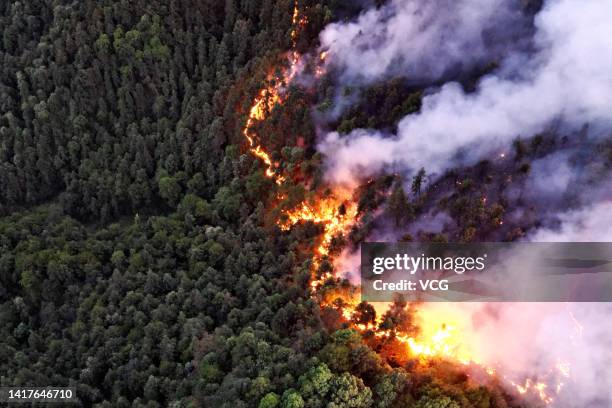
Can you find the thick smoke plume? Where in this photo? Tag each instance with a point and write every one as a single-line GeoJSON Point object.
{"type": "Point", "coordinates": [535, 340]}
{"type": "Point", "coordinates": [562, 82]}
{"type": "Point", "coordinates": [566, 81]}
{"type": "Point", "coordinates": [591, 223]}
{"type": "Point", "coordinates": [422, 41]}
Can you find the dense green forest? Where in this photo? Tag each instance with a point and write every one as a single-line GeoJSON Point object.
{"type": "Point", "coordinates": [139, 260]}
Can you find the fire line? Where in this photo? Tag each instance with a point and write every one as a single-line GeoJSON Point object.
{"type": "Point", "coordinates": [337, 214]}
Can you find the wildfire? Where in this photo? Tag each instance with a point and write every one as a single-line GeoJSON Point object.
{"type": "Point", "coordinates": [263, 104]}
{"type": "Point", "coordinates": [538, 388]}
{"type": "Point", "coordinates": [320, 67]}
{"type": "Point", "coordinates": [541, 389]}
{"type": "Point", "coordinates": [441, 335]}
{"type": "Point", "coordinates": [443, 340]}
{"type": "Point", "coordinates": [268, 97]}
{"type": "Point", "coordinates": [444, 334]}
{"type": "Point", "coordinates": [335, 213]}
{"type": "Point", "coordinates": [299, 22]}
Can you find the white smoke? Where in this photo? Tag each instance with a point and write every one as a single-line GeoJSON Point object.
{"type": "Point", "coordinates": [420, 40]}
{"type": "Point", "coordinates": [588, 224]}
{"type": "Point", "coordinates": [577, 334]}
{"type": "Point", "coordinates": [534, 340]}
{"type": "Point", "coordinates": [567, 80]}
{"type": "Point", "coordinates": [551, 177]}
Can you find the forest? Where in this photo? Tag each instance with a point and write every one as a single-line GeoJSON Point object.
{"type": "Point", "coordinates": [141, 258]}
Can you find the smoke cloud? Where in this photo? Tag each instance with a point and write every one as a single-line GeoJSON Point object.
{"type": "Point", "coordinates": [566, 81]}
{"type": "Point", "coordinates": [535, 340]}
{"type": "Point", "coordinates": [422, 40]}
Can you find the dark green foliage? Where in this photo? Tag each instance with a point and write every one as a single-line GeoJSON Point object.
{"type": "Point", "coordinates": [124, 310]}
{"type": "Point", "coordinates": [138, 262]}
{"type": "Point", "coordinates": [111, 113]}
{"type": "Point", "coordinates": [398, 206]}
{"type": "Point", "coordinates": [380, 106]}
{"type": "Point", "coordinates": [116, 106]}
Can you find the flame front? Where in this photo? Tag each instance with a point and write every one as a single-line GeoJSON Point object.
{"type": "Point", "coordinates": [335, 214]}
{"type": "Point", "coordinates": [263, 104]}
{"type": "Point", "coordinates": [441, 335]}
{"type": "Point", "coordinates": [268, 97]}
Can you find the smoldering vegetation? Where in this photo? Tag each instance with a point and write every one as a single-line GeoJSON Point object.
{"type": "Point", "coordinates": [520, 138]}
{"type": "Point", "coordinates": [561, 83]}
{"type": "Point", "coordinates": [425, 41]}
{"type": "Point", "coordinates": [482, 122]}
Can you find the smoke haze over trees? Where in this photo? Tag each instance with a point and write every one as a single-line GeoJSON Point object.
{"type": "Point", "coordinates": [562, 82]}
{"type": "Point", "coordinates": [519, 151]}
{"type": "Point", "coordinates": [140, 257]}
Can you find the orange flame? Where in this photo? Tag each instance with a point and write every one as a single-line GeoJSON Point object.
{"type": "Point", "coordinates": [336, 214]}
{"type": "Point", "coordinates": [539, 388]}
{"type": "Point", "coordinates": [263, 104]}
{"type": "Point", "coordinates": [329, 212]}
{"type": "Point", "coordinates": [268, 97]}
{"type": "Point", "coordinates": [440, 335]}
{"type": "Point", "coordinates": [299, 22]}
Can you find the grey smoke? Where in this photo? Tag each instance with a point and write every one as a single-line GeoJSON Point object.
{"type": "Point", "coordinates": [422, 40]}
{"type": "Point", "coordinates": [432, 222]}
{"type": "Point", "coordinates": [590, 223]}
{"type": "Point", "coordinates": [550, 177]}
{"type": "Point", "coordinates": [567, 81]}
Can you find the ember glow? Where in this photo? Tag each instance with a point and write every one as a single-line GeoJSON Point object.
{"type": "Point", "coordinates": [444, 333]}
{"type": "Point", "coordinates": [268, 97]}
{"type": "Point", "coordinates": [262, 105]}
{"type": "Point", "coordinates": [542, 389]}
{"type": "Point", "coordinates": [336, 214]}
{"type": "Point", "coordinates": [299, 21]}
